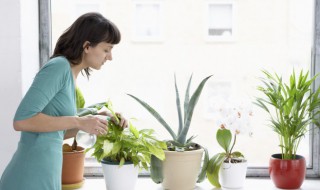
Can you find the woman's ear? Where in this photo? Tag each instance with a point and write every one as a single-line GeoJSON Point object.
{"type": "Point", "coordinates": [86, 45]}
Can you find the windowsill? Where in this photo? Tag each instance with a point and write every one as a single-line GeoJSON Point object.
{"type": "Point", "coordinates": [145, 183]}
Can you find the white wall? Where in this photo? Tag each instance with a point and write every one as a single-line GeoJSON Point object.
{"type": "Point", "coordinates": [19, 62]}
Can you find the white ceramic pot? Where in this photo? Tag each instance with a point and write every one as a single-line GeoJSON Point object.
{"type": "Point", "coordinates": [233, 175]}
{"type": "Point", "coordinates": [114, 175]}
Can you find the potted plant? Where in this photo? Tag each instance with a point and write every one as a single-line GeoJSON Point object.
{"type": "Point", "coordinates": [292, 106]}
{"type": "Point", "coordinates": [122, 152]}
{"type": "Point", "coordinates": [182, 154]}
{"type": "Point", "coordinates": [228, 169]}
{"type": "Point", "coordinates": [74, 155]}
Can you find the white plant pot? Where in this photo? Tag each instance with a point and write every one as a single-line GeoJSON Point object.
{"type": "Point", "coordinates": [233, 175]}
{"type": "Point", "coordinates": [119, 178]}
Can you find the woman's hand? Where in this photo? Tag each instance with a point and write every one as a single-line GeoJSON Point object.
{"type": "Point", "coordinates": [123, 121]}
{"type": "Point", "coordinates": [94, 124]}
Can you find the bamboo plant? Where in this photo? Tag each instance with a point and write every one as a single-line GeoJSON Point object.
{"type": "Point", "coordinates": [179, 141]}
{"type": "Point", "coordinates": [291, 106]}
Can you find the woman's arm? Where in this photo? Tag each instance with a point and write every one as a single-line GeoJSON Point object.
{"type": "Point", "coordinates": [45, 123]}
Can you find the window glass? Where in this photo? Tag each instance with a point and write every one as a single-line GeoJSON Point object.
{"type": "Point", "coordinates": [273, 35]}
{"type": "Point", "coordinates": [220, 20]}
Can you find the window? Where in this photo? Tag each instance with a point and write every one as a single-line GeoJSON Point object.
{"type": "Point", "coordinates": [221, 21]}
{"type": "Point", "coordinates": [279, 38]}
{"type": "Point", "coordinates": [147, 21]}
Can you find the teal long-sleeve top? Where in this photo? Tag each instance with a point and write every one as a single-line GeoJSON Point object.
{"type": "Point", "coordinates": [37, 162]}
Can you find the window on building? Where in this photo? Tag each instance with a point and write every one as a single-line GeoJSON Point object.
{"type": "Point", "coordinates": [221, 21]}
{"type": "Point", "coordinates": [147, 22]}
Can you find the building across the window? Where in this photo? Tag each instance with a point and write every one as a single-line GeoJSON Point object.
{"type": "Point", "coordinates": [163, 37]}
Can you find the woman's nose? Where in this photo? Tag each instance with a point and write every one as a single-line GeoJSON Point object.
{"type": "Point", "coordinates": [109, 57]}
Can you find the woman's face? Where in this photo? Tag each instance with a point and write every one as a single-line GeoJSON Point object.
{"type": "Point", "coordinates": [95, 56]}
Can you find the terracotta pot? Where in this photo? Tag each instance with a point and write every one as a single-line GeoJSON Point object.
{"type": "Point", "coordinates": [287, 174]}
{"type": "Point", "coordinates": [73, 166]}
{"type": "Point", "coordinates": [119, 178]}
{"type": "Point", "coordinates": [181, 169]}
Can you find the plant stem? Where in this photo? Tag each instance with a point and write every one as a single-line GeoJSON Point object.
{"type": "Point", "coordinates": [74, 144]}
{"type": "Point", "coordinates": [234, 142]}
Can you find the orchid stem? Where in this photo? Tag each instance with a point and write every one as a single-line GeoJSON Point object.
{"type": "Point", "coordinates": [234, 142]}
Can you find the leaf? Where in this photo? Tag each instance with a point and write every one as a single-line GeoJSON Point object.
{"type": "Point", "coordinates": [156, 172]}
{"type": "Point", "coordinates": [86, 111]}
{"type": "Point", "coordinates": [156, 151]}
{"type": "Point", "coordinates": [213, 169]}
{"type": "Point", "coordinates": [98, 105]}
{"type": "Point", "coordinates": [237, 154]}
{"type": "Point", "coordinates": [155, 114]}
{"type": "Point", "coordinates": [133, 130]}
{"type": "Point", "coordinates": [224, 138]}
{"type": "Point", "coordinates": [122, 161]}
{"type": "Point", "coordinates": [80, 101]}
{"type": "Point", "coordinates": [107, 148]}
{"type": "Point", "coordinates": [202, 175]}
{"type": "Point", "coordinates": [178, 106]}
{"type": "Point", "coordinates": [191, 138]}
{"type": "Point", "coordinates": [192, 103]}
{"type": "Point", "coordinates": [116, 148]}
{"type": "Point", "coordinates": [186, 99]}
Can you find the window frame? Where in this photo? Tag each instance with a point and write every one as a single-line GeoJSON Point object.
{"type": "Point", "coordinates": [312, 172]}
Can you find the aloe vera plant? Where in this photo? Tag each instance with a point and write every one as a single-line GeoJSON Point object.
{"type": "Point", "coordinates": [179, 141]}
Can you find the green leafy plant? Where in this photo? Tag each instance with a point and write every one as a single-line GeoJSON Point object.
{"type": "Point", "coordinates": [291, 106]}
{"type": "Point", "coordinates": [234, 120]}
{"type": "Point", "coordinates": [82, 111]}
{"type": "Point", "coordinates": [179, 140]}
{"type": "Point", "coordinates": [127, 145]}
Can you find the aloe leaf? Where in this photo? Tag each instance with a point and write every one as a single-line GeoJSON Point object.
{"type": "Point", "coordinates": [156, 115]}
{"type": "Point", "coordinates": [191, 138]}
{"type": "Point", "coordinates": [193, 101]}
{"type": "Point", "coordinates": [186, 99]}
{"type": "Point", "coordinates": [178, 105]}
{"type": "Point", "coordinates": [156, 172]}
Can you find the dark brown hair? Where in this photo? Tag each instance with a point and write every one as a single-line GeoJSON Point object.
{"type": "Point", "coordinates": [92, 27]}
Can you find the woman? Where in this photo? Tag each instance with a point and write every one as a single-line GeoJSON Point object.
{"type": "Point", "coordinates": [46, 115]}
